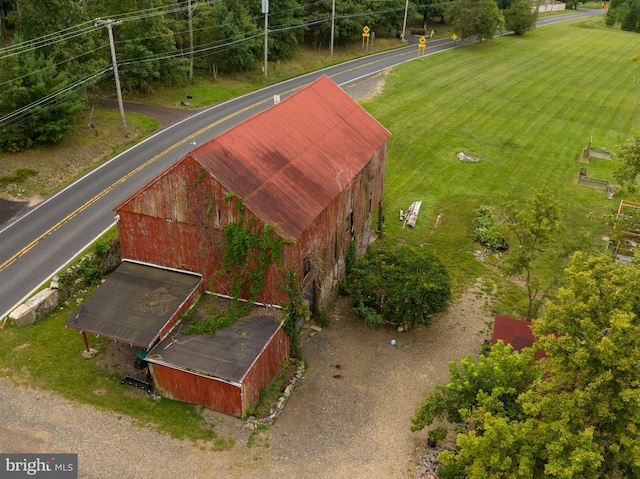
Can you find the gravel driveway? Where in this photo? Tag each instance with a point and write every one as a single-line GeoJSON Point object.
{"type": "Point", "coordinates": [348, 418]}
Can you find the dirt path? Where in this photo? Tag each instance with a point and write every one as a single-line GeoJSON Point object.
{"type": "Point", "coordinates": [349, 417]}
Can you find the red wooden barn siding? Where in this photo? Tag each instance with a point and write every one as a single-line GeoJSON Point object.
{"type": "Point", "coordinates": [193, 388]}
{"type": "Point", "coordinates": [215, 393]}
{"type": "Point", "coordinates": [330, 230]}
{"type": "Point", "coordinates": [265, 368]}
{"type": "Point", "coordinates": [173, 222]}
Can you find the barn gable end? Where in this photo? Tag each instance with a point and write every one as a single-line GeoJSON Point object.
{"type": "Point", "coordinates": [312, 165]}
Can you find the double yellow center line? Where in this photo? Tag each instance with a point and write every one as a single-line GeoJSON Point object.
{"type": "Point", "coordinates": [80, 209]}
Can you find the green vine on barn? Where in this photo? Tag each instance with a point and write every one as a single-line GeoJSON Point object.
{"type": "Point", "coordinates": [294, 309]}
{"type": "Point", "coordinates": [249, 251]}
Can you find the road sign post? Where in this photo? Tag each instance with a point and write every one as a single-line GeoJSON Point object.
{"type": "Point", "coordinates": [422, 45]}
{"type": "Point", "coordinates": [365, 34]}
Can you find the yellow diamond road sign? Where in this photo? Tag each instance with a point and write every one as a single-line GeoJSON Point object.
{"type": "Point", "coordinates": [422, 40]}
{"type": "Point", "coordinates": [366, 29]}
{"type": "Point", "coordinates": [454, 36]}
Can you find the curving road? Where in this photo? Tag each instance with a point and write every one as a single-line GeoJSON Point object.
{"type": "Point", "coordinates": [39, 243]}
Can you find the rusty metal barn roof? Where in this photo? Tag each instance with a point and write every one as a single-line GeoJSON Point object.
{"type": "Point", "coordinates": [227, 355]}
{"type": "Point", "coordinates": [290, 161]}
{"type": "Point", "coordinates": [134, 303]}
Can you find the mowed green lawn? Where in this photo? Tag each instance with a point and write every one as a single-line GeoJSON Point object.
{"type": "Point", "coordinates": [526, 106]}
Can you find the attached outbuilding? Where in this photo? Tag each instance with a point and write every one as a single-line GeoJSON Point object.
{"type": "Point", "coordinates": [225, 371]}
{"type": "Point", "coordinates": [138, 304]}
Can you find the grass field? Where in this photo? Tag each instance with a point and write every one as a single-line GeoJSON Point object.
{"type": "Point", "coordinates": [526, 106]}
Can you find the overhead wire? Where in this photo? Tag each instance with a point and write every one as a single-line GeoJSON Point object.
{"type": "Point", "coordinates": [202, 51]}
{"type": "Point", "coordinates": [21, 115]}
{"type": "Point", "coordinates": [35, 72]}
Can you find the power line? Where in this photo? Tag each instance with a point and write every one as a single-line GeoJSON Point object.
{"type": "Point", "coordinates": [35, 72]}
{"type": "Point", "coordinates": [202, 50]}
{"type": "Point", "coordinates": [10, 118]}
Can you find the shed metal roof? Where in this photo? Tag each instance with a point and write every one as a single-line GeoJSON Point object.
{"type": "Point", "coordinates": [227, 355]}
{"type": "Point", "coordinates": [290, 161]}
{"type": "Point", "coordinates": [134, 303]}
{"type": "Point", "coordinates": [512, 331]}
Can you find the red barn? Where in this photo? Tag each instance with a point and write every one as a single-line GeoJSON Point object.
{"type": "Point", "coordinates": [311, 165]}
{"type": "Point", "coordinates": [311, 169]}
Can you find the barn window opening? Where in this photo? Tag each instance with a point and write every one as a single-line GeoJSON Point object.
{"type": "Point", "coordinates": [350, 223]}
{"type": "Point", "coordinates": [306, 265]}
{"type": "Point", "coordinates": [219, 216]}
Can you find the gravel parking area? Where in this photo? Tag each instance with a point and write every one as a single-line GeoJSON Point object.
{"type": "Point", "coordinates": [349, 417]}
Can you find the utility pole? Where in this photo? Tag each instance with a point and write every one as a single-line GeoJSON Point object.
{"type": "Point", "coordinates": [191, 42]}
{"type": "Point", "coordinates": [333, 24]}
{"type": "Point", "coordinates": [404, 24]}
{"type": "Point", "coordinates": [109, 24]}
{"type": "Point", "coordinates": [265, 10]}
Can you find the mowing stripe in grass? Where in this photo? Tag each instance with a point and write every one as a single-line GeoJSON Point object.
{"type": "Point", "coordinates": [526, 106]}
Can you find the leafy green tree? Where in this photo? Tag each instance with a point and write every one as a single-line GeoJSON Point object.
{"type": "Point", "coordinates": [573, 4]}
{"type": "Point", "coordinates": [405, 285]}
{"type": "Point", "coordinates": [285, 28]}
{"type": "Point", "coordinates": [502, 374]}
{"type": "Point", "coordinates": [591, 334]}
{"type": "Point", "coordinates": [630, 16]}
{"type": "Point", "coordinates": [626, 13]}
{"type": "Point", "coordinates": [221, 33]}
{"type": "Point", "coordinates": [351, 17]}
{"type": "Point", "coordinates": [43, 82]}
{"type": "Point", "coordinates": [577, 412]}
{"type": "Point", "coordinates": [519, 17]}
{"type": "Point", "coordinates": [431, 9]}
{"type": "Point", "coordinates": [532, 225]}
{"type": "Point", "coordinates": [26, 79]}
{"type": "Point", "coordinates": [146, 46]}
{"type": "Point", "coordinates": [629, 155]}
{"type": "Point", "coordinates": [475, 18]}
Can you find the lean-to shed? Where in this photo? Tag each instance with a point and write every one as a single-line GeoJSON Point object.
{"type": "Point", "coordinates": [138, 304]}
{"type": "Point", "coordinates": [312, 166]}
{"type": "Point", "coordinates": [226, 371]}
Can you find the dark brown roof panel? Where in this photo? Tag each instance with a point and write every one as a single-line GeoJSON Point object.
{"type": "Point", "coordinates": [227, 355]}
{"type": "Point", "coordinates": [135, 303]}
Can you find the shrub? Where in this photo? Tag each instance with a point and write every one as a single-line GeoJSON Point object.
{"type": "Point", "coordinates": [322, 319]}
{"type": "Point", "coordinates": [18, 178]}
{"type": "Point", "coordinates": [406, 285]}
{"type": "Point", "coordinates": [486, 229]}
{"type": "Point", "coordinates": [92, 268]}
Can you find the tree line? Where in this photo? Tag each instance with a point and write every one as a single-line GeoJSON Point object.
{"type": "Point", "coordinates": [54, 52]}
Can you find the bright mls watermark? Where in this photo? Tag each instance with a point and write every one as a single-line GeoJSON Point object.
{"type": "Point", "coordinates": [49, 466]}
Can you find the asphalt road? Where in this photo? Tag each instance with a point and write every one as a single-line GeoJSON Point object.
{"type": "Point", "coordinates": [34, 246]}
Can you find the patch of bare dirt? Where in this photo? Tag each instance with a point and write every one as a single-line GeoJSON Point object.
{"type": "Point", "coordinates": [367, 88]}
